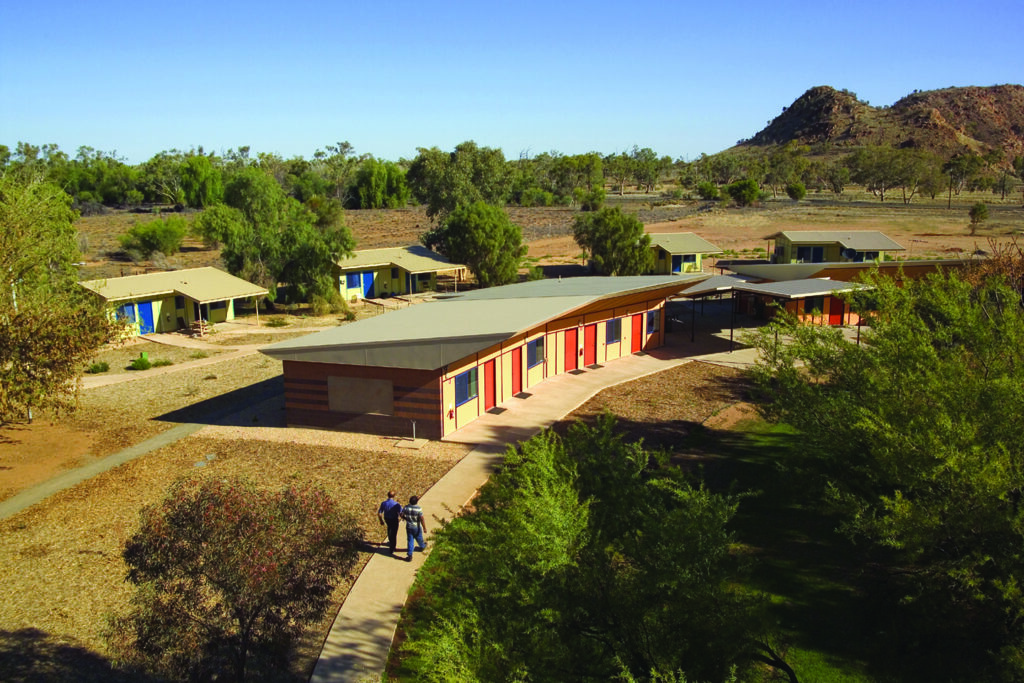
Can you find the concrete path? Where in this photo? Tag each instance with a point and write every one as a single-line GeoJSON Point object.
{"type": "Point", "coordinates": [357, 646]}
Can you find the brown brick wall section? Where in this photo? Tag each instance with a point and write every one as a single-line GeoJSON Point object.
{"type": "Point", "coordinates": [417, 396]}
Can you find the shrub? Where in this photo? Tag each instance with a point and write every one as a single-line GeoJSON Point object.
{"type": "Point", "coordinates": [199, 354]}
{"type": "Point", "coordinates": [276, 322]}
{"type": "Point", "coordinates": [161, 235]}
{"type": "Point", "coordinates": [592, 200]}
{"type": "Point", "coordinates": [978, 214]}
{"type": "Point", "coordinates": [333, 302]}
{"type": "Point", "coordinates": [707, 190]}
{"type": "Point", "coordinates": [98, 367]}
{"type": "Point", "coordinates": [744, 192]}
{"type": "Point", "coordinates": [796, 191]}
{"type": "Point", "coordinates": [225, 572]}
{"type": "Point", "coordinates": [535, 196]}
{"type": "Point", "coordinates": [140, 363]}
{"type": "Point", "coordinates": [162, 362]}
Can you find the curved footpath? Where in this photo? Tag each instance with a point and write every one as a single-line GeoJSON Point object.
{"type": "Point", "coordinates": [357, 646]}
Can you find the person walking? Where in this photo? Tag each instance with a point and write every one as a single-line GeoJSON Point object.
{"type": "Point", "coordinates": [415, 526]}
{"type": "Point", "coordinates": [389, 513]}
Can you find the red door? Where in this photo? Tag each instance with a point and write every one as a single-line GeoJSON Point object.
{"type": "Point", "coordinates": [571, 349]}
{"type": "Point", "coordinates": [517, 370]}
{"type": "Point", "coordinates": [835, 312]}
{"type": "Point", "coordinates": [489, 388]}
{"type": "Point", "coordinates": [590, 345]}
{"type": "Point", "coordinates": [636, 338]}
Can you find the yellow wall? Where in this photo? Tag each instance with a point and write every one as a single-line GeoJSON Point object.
{"type": "Point", "coordinates": [456, 417]}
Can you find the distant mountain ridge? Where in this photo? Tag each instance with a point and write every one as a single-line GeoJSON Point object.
{"type": "Point", "coordinates": [943, 121]}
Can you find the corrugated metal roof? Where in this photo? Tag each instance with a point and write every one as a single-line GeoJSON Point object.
{"type": "Point", "coordinates": [799, 289]}
{"type": "Point", "coordinates": [199, 284]}
{"type": "Point", "coordinates": [861, 240]}
{"type": "Point", "coordinates": [431, 335]}
{"type": "Point", "coordinates": [594, 287]}
{"type": "Point", "coordinates": [717, 283]}
{"type": "Point", "coordinates": [779, 272]}
{"type": "Point", "coordinates": [414, 258]}
{"type": "Point", "coordinates": [683, 243]}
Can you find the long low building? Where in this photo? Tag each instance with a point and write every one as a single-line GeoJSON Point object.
{"type": "Point", "coordinates": [442, 364]}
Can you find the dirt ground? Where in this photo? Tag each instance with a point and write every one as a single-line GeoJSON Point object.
{"type": "Point", "coordinates": [61, 558]}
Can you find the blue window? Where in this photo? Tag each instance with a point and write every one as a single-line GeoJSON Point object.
{"type": "Point", "coordinates": [613, 331]}
{"type": "Point", "coordinates": [179, 303]}
{"type": "Point", "coordinates": [394, 273]}
{"type": "Point", "coordinates": [218, 305]}
{"type": "Point", "coordinates": [653, 321]}
{"type": "Point", "coordinates": [353, 281]}
{"type": "Point", "coordinates": [535, 352]}
{"type": "Point", "coordinates": [466, 387]}
{"type": "Point", "coordinates": [689, 258]}
{"type": "Point", "coordinates": [810, 254]}
{"type": "Point", "coordinates": [126, 312]}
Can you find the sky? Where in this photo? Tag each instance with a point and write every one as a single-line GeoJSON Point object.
{"type": "Point", "coordinates": [290, 77]}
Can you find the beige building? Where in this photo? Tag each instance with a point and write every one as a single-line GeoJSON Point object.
{"type": "Point", "coordinates": [173, 300]}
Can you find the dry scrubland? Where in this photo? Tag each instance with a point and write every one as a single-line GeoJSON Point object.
{"type": "Point", "coordinates": [61, 559]}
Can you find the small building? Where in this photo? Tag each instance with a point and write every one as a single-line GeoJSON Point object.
{"type": "Point", "coordinates": [373, 273]}
{"type": "Point", "coordinates": [679, 252]}
{"type": "Point", "coordinates": [830, 246]}
{"type": "Point", "coordinates": [817, 301]}
{"type": "Point", "coordinates": [433, 368]}
{"type": "Point", "coordinates": [174, 300]}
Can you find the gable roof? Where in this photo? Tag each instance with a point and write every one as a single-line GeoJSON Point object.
{"type": "Point", "coordinates": [861, 240]}
{"type": "Point", "coordinates": [414, 259]}
{"type": "Point", "coordinates": [683, 243]}
{"type": "Point", "coordinates": [199, 284]}
{"type": "Point", "coordinates": [432, 335]}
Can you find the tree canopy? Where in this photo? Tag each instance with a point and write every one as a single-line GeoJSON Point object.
{"type": "Point", "coordinates": [444, 180]}
{"type": "Point", "coordinates": [49, 325]}
{"type": "Point", "coordinates": [615, 241]}
{"type": "Point", "coordinates": [275, 239]}
{"type": "Point", "coordinates": [483, 238]}
{"type": "Point", "coordinates": [224, 571]}
{"type": "Point", "coordinates": [590, 559]}
{"type": "Point", "coordinates": [914, 436]}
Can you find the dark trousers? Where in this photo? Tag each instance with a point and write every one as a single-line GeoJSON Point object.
{"type": "Point", "coordinates": [392, 532]}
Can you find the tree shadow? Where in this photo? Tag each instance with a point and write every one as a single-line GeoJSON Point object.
{"type": "Point", "coordinates": [31, 655]}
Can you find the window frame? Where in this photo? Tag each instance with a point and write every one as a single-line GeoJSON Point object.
{"type": "Point", "coordinates": [349, 277]}
{"type": "Point", "coordinates": [654, 321]}
{"type": "Point", "coordinates": [467, 383]}
{"type": "Point", "coordinates": [616, 325]}
{"type": "Point", "coordinates": [533, 348]}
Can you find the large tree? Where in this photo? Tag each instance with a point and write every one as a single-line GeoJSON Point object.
{"type": "Point", "coordinates": [914, 436]}
{"type": "Point", "coordinates": [615, 241]}
{"type": "Point", "coordinates": [380, 185]}
{"type": "Point", "coordinates": [277, 240]}
{"type": "Point", "coordinates": [49, 325]}
{"type": "Point", "coordinates": [483, 238]}
{"type": "Point", "coordinates": [445, 180]}
{"type": "Point", "coordinates": [224, 571]}
{"type": "Point", "coordinates": [590, 559]}
{"type": "Point", "coordinates": [201, 181]}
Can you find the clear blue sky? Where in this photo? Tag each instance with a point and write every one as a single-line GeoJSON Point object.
{"type": "Point", "coordinates": [390, 76]}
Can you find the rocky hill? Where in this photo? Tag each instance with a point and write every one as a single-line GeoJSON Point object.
{"type": "Point", "coordinates": [944, 121]}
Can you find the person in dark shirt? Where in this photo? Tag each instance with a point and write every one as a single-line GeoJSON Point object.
{"type": "Point", "coordinates": [389, 513]}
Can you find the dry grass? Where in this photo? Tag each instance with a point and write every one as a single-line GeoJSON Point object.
{"type": "Point", "coordinates": [62, 559]}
